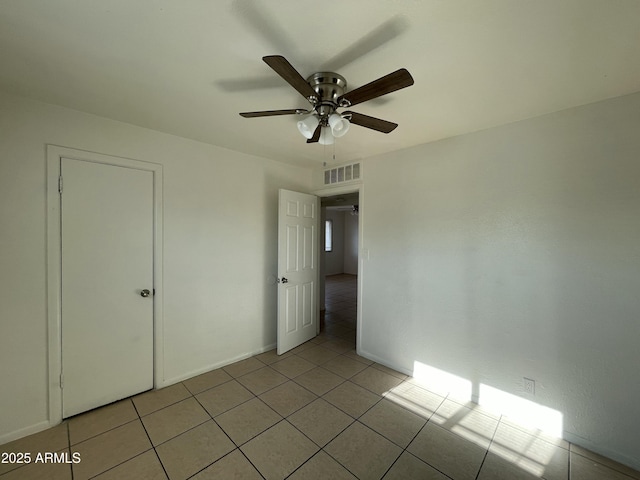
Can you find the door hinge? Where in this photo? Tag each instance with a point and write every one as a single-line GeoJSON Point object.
{"type": "Point", "coordinates": [60, 184]}
{"type": "Point", "coordinates": [61, 381]}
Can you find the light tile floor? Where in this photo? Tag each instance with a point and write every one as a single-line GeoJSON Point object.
{"type": "Point", "coordinates": [317, 412]}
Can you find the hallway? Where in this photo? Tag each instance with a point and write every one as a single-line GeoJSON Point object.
{"type": "Point", "coordinates": [339, 318]}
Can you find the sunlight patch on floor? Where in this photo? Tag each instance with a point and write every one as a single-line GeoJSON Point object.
{"type": "Point", "coordinates": [415, 399]}
{"type": "Point", "coordinates": [466, 421]}
{"type": "Point", "coordinates": [526, 450]}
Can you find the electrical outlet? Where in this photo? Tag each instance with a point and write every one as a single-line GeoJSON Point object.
{"type": "Point", "coordinates": [529, 386]}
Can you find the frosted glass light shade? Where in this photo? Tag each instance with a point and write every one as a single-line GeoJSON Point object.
{"type": "Point", "coordinates": [325, 136]}
{"type": "Point", "coordinates": [339, 126]}
{"type": "Point", "coordinates": [308, 125]}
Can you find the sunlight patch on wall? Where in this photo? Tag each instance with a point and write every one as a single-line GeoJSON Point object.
{"type": "Point", "coordinates": [521, 411]}
{"type": "Point", "coordinates": [441, 382]}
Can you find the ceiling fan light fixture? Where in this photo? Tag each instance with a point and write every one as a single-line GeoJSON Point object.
{"type": "Point", "coordinates": [308, 125]}
{"type": "Point", "coordinates": [326, 138]}
{"type": "Point", "coordinates": [326, 92]}
{"type": "Point", "coordinates": [339, 125]}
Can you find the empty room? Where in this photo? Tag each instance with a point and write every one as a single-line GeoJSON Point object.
{"type": "Point", "coordinates": [259, 239]}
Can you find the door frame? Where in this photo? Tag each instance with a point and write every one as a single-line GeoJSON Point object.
{"type": "Point", "coordinates": [362, 254]}
{"type": "Point", "coordinates": [54, 154]}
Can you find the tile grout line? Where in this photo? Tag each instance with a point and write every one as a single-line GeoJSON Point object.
{"type": "Point", "coordinates": [155, 452]}
{"type": "Point", "coordinates": [249, 460]}
{"type": "Point", "coordinates": [69, 446]}
{"type": "Point", "coordinates": [418, 433]}
{"type": "Point", "coordinates": [220, 426]}
{"type": "Point", "coordinates": [305, 462]}
{"type": "Point", "coordinates": [486, 453]}
{"type": "Point", "coordinates": [338, 461]}
{"type": "Point", "coordinates": [105, 431]}
{"type": "Point", "coordinates": [165, 406]}
{"type": "Point", "coordinates": [237, 447]}
{"type": "Point", "coordinates": [355, 420]}
{"type": "Point", "coordinates": [404, 449]}
{"type": "Point", "coordinates": [128, 459]}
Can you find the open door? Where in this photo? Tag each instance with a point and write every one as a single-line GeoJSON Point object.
{"type": "Point", "coordinates": [298, 269]}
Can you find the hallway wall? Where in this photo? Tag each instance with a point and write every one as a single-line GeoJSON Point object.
{"type": "Point", "coordinates": [344, 257]}
{"type": "Point", "coordinates": [334, 260]}
{"type": "Point", "coordinates": [350, 256]}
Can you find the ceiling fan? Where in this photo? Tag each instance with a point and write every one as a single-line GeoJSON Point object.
{"type": "Point", "coordinates": [325, 91]}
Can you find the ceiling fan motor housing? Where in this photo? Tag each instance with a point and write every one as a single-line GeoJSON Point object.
{"type": "Point", "coordinates": [325, 91]}
{"type": "Point", "coordinates": [329, 86]}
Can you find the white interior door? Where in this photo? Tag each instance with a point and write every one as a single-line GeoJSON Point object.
{"type": "Point", "coordinates": [107, 262]}
{"type": "Point", "coordinates": [298, 255]}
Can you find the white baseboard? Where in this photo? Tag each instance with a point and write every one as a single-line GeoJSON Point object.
{"type": "Point", "coordinates": [610, 454]}
{"type": "Point", "coordinates": [23, 432]}
{"type": "Point", "coordinates": [382, 361]}
{"type": "Point", "coordinates": [224, 363]}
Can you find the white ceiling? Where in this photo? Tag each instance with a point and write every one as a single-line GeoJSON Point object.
{"type": "Point", "coordinates": [188, 67]}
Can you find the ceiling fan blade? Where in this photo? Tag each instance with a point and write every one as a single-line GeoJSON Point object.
{"type": "Point", "coordinates": [387, 84]}
{"type": "Point", "coordinates": [377, 37]}
{"type": "Point", "coordinates": [371, 122]}
{"type": "Point", "coordinates": [316, 135]}
{"type": "Point", "coordinates": [263, 21]}
{"type": "Point", "coordinates": [283, 68]}
{"type": "Point", "coordinates": [246, 84]}
{"type": "Point", "coordinates": [271, 113]}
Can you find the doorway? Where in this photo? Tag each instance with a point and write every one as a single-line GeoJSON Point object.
{"type": "Point", "coordinates": [339, 278]}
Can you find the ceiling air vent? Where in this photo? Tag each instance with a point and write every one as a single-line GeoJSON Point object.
{"type": "Point", "coordinates": [346, 173]}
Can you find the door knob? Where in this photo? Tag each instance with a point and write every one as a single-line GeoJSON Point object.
{"type": "Point", "coordinates": [145, 293]}
{"type": "Point", "coordinates": [284, 280]}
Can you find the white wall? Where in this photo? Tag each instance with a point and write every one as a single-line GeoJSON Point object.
{"type": "Point", "coordinates": [344, 257]}
{"type": "Point", "coordinates": [350, 255]}
{"type": "Point", "coordinates": [334, 260]}
{"type": "Point", "coordinates": [516, 252]}
{"type": "Point", "coordinates": [220, 247]}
